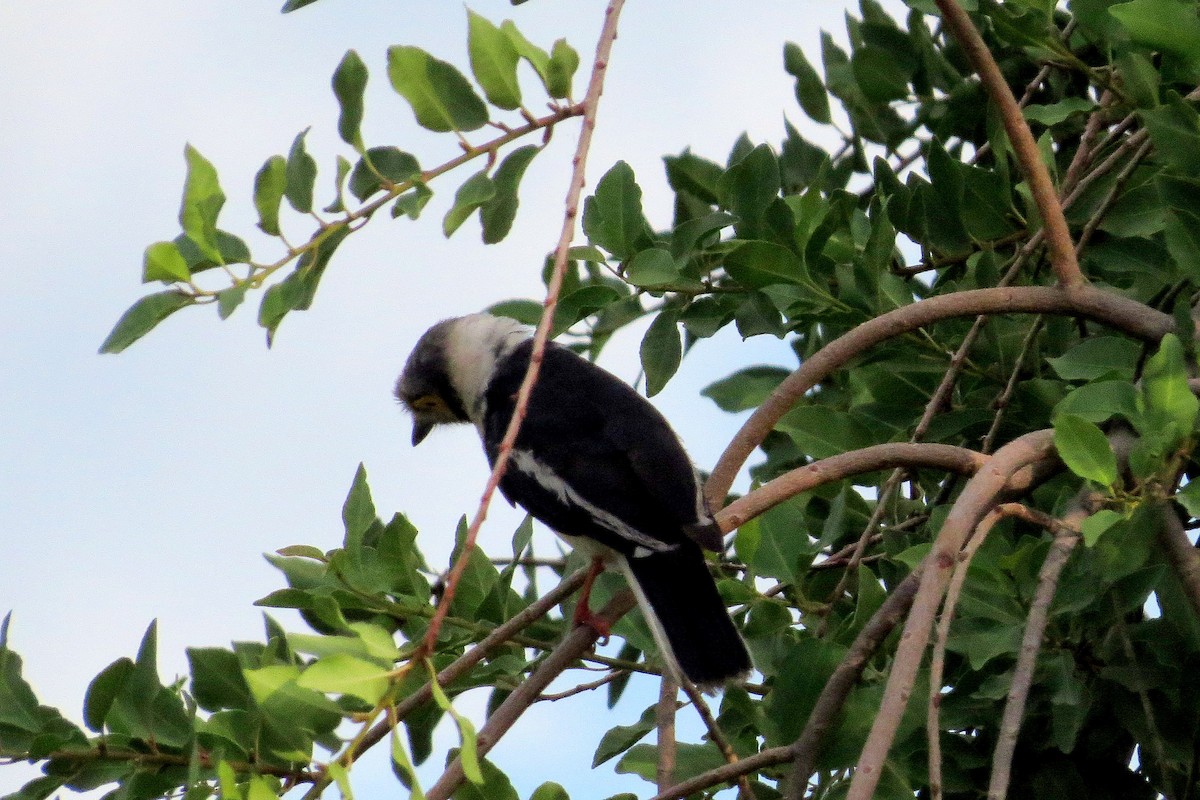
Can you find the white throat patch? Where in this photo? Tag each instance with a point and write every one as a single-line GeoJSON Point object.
{"type": "Point", "coordinates": [473, 347]}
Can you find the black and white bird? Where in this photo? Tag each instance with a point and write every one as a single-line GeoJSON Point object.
{"type": "Point", "coordinates": [597, 463]}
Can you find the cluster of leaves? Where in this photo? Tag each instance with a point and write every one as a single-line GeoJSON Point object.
{"type": "Point", "coordinates": [442, 100]}
{"type": "Point", "coordinates": [923, 198]}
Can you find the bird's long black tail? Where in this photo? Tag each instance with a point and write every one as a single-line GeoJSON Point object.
{"type": "Point", "coordinates": [688, 612]}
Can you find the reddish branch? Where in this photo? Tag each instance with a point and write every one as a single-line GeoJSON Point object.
{"type": "Point", "coordinates": [1058, 235]}
{"type": "Point", "coordinates": [591, 102]}
{"type": "Point", "coordinates": [977, 498]}
{"type": "Point", "coordinates": [1130, 316]}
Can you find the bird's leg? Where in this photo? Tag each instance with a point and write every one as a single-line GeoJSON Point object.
{"type": "Point", "coordinates": [583, 612]}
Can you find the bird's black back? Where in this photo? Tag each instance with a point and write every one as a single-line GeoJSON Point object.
{"type": "Point", "coordinates": [602, 439]}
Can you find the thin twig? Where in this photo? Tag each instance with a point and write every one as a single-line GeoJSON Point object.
{"type": "Point", "coordinates": [590, 686]}
{"type": "Point", "coordinates": [1066, 536]}
{"type": "Point", "coordinates": [745, 791]}
{"type": "Point", "coordinates": [664, 724]}
{"type": "Point", "coordinates": [591, 102]}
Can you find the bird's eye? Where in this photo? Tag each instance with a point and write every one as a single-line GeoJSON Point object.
{"type": "Point", "coordinates": [428, 402]}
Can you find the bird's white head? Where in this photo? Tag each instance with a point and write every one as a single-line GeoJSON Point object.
{"type": "Point", "coordinates": [446, 375]}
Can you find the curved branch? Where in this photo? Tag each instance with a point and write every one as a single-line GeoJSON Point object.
{"type": "Point", "coordinates": [1129, 316]}
{"type": "Point", "coordinates": [835, 468]}
{"type": "Point", "coordinates": [1058, 235]}
{"type": "Point", "coordinates": [977, 498]}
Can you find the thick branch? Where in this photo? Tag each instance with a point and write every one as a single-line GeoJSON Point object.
{"type": "Point", "coordinates": [977, 498]}
{"type": "Point", "coordinates": [835, 468]}
{"type": "Point", "coordinates": [1184, 557]}
{"type": "Point", "coordinates": [1058, 235]}
{"type": "Point", "coordinates": [1129, 316]}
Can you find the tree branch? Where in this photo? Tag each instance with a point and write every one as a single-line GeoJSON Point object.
{"type": "Point", "coordinates": [1126, 315]}
{"type": "Point", "coordinates": [977, 497]}
{"type": "Point", "coordinates": [1184, 557]}
{"type": "Point", "coordinates": [1066, 536]}
{"type": "Point", "coordinates": [591, 102]}
{"type": "Point", "coordinates": [835, 468]}
{"type": "Point", "coordinates": [1058, 235]}
{"type": "Point", "coordinates": [580, 639]}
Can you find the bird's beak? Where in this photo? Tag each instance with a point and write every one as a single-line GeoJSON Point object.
{"type": "Point", "coordinates": [421, 429]}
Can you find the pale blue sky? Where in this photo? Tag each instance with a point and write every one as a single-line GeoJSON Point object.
{"type": "Point", "coordinates": [147, 485]}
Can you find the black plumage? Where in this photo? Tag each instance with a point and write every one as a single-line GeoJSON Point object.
{"type": "Point", "coordinates": [593, 460]}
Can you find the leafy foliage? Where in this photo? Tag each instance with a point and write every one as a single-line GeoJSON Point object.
{"type": "Point", "coordinates": [924, 199]}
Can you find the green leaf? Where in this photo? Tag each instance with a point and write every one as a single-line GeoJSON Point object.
{"type": "Point", "coordinates": [612, 217]}
{"type": "Point", "coordinates": [821, 431]}
{"type": "Point", "coordinates": [497, 214]}
{"type": "Point", "coordinates": [1175, 130]}
{"type": "Point", "coordinates": [163, 262]}
{"type": "Point", "coordinates": [229, 299]}
{"type": "Point", "coordinates": [1085, 449]}
{"type": "Point", "coordinates": [1189, 497]}
{"type": "Point", "coordinates": [382, 168]}
{"type": "Point", "coordinates": [475, 191]}
{"type": "Point", "coordinates": [744, 389]}
{"type": "Point", "coordinates": [301, 175]}
{"type": "Point", "coordinates": [749, 188]}
{"type": "Point", "coordinates": [1165, 398]}
{"type": "Point", "coordinates": [756, 264]}
{"type": "Point", "coordinates": [561, 69]}
{"type": "Point", "coordinates": [217, 680]}
{"type": "Point", "coordinates": [1171, 26]}
{"type": "Point", "coordinates": [469, 755]}
{"type": "Point", "coordinates": [810, 91]}
{"type": "Point", "coordinates": [619, 739]}
{"type": "Point", "coordinates": [661, 351]}
{"type": "Point", "coordinates": [202, 202]}
{"type": "Point", "coordinates": [349, 84]}
{"type": "Point", "coordinates": [142, 316]}
{"type": "Point", "coordinates": [1097, 524]}
{"type": "Point", "coordinates": [441, 98]}
{"type": "Point", "coordinates": [652, 267]}
{"type": "Point", "coordinates": [537, 58]}
{"type": "Point", "coordinates": [358, 512]}
{"type": "Point", "coordinates": [881, 77]}
{"type": "Point", "coordinates": [269, 186]}
{"type": "Point", "coordinates": [1097, 357]}
{"type": "Point", "coordinates": [550, 791]}
{"type": "Point", "coordinates": [342, 673]}
{"type": "Point", "coordinates": [297, 290]}
{"type": "Point", "coordinates": [1097, 402]}
{"type": "Point", "coordinates": [412, 202]}
{"type": "Point", "coordinates": [403, 766]}
{"type": "Point", "coordinates": [1058, 112]}
{"type": "Point", "coordinates": [690, 760]}
{"type": "Point", "coordinates": [493, 61]}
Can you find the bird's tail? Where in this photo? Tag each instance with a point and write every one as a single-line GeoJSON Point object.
{"type": "Point", "coordinates": [689, 620]}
